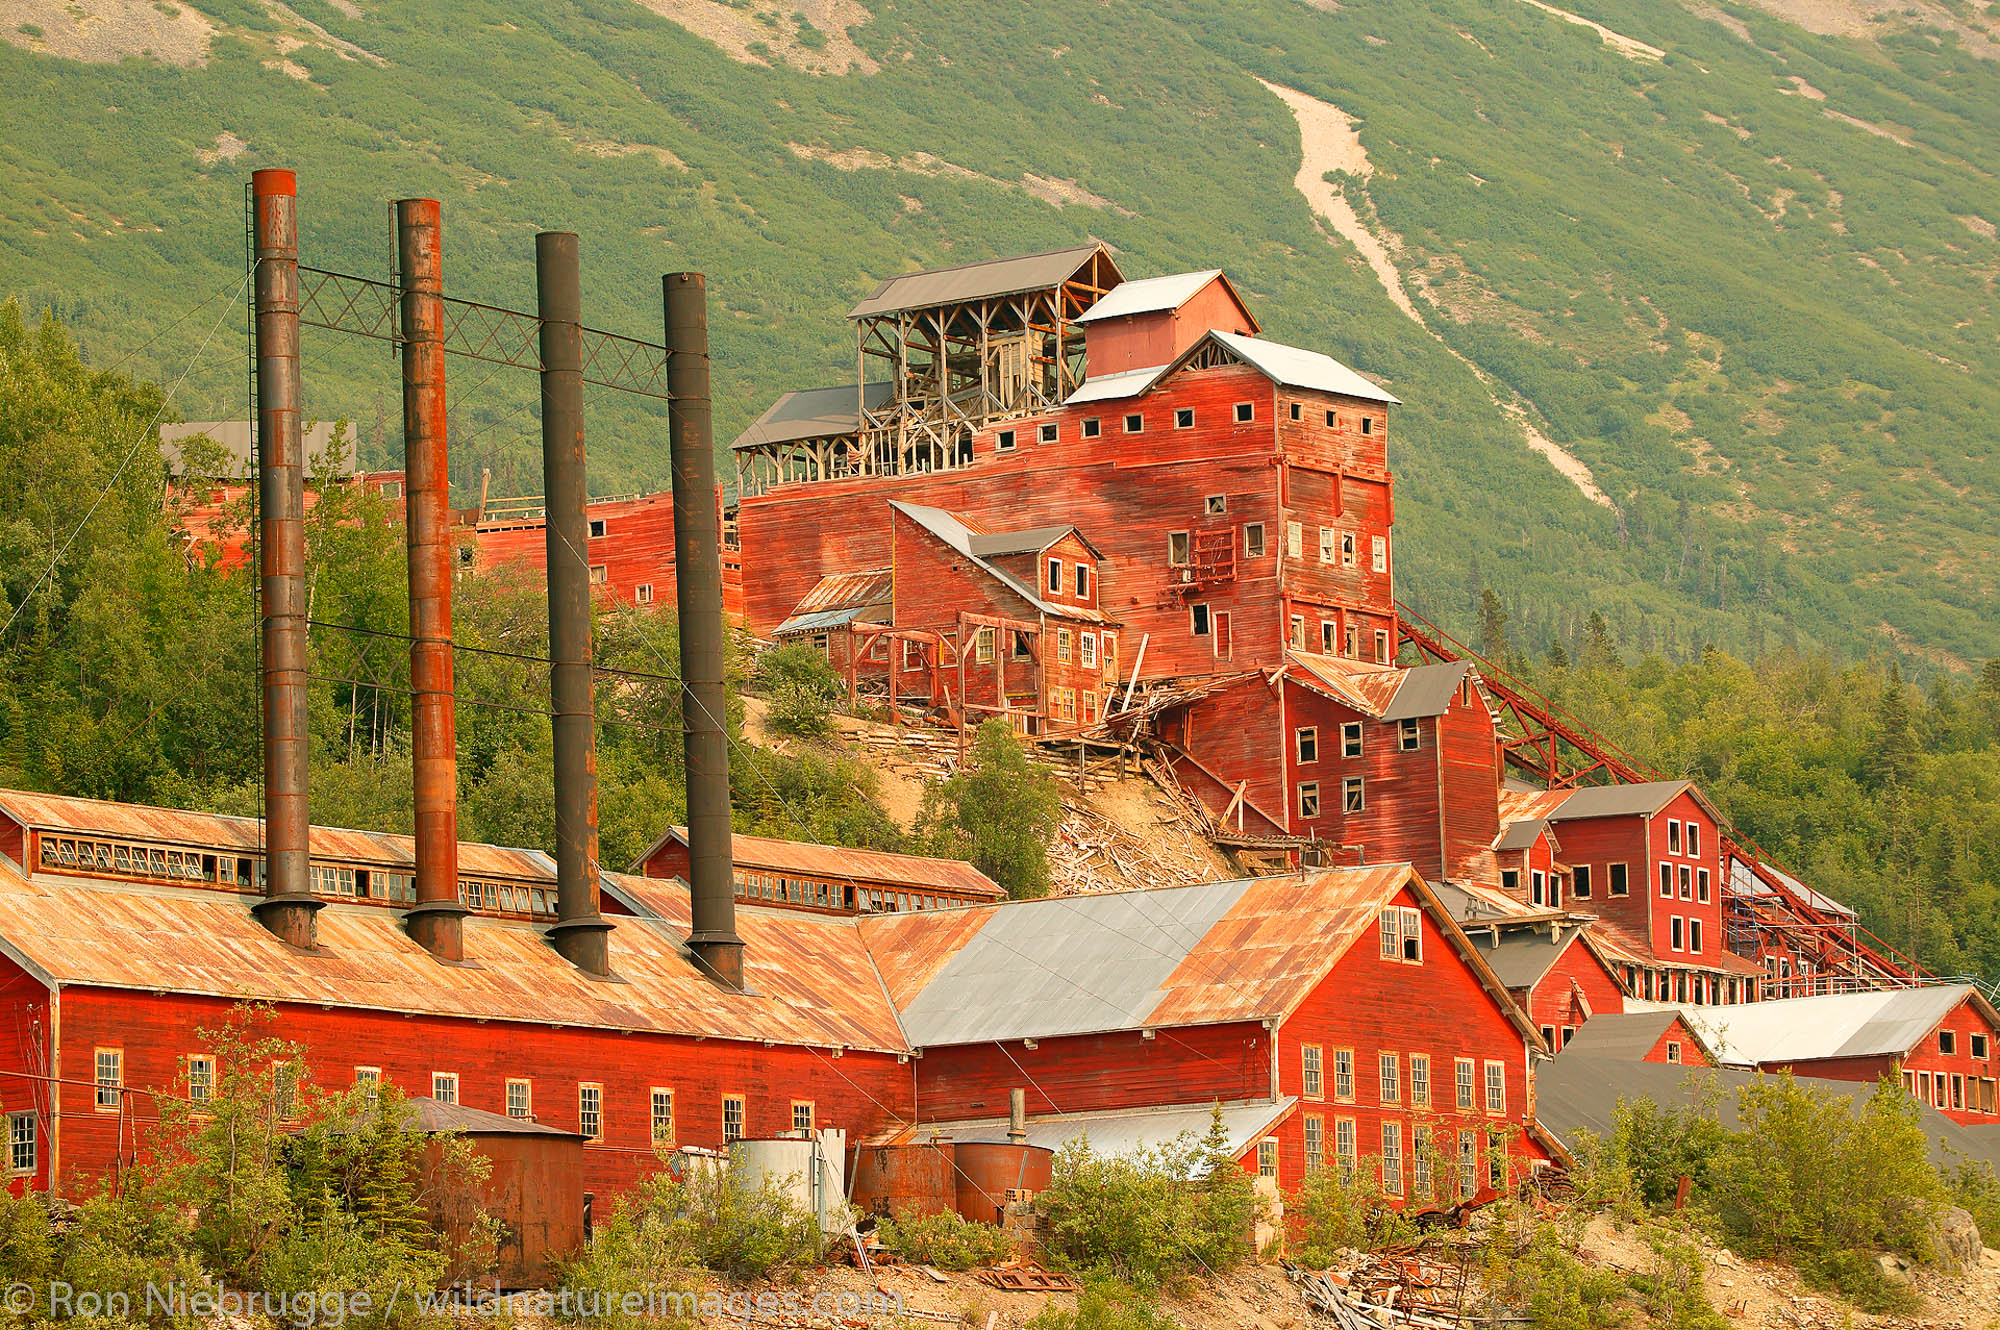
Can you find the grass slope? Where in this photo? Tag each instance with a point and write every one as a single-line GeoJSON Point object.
{"type": "Point", "coordinates": [1769, 332]}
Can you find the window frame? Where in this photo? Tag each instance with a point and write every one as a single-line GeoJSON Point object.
{"type": "Point", "coordinates": [1135, 422]}
{"type": "Point", "coordinates": [1055, 577]}
{"type": "Point", "coordinates": [1186, 542]}
{"type": "Point", "coordinates": [1343, 1074]}
{"type": "Point", "coordinates": [1389, 1078]}
{"type": "Point", "coordinates": [1246, 412]}
{"type": "Point", "coordinates": [811, 1108]}
{"type": "Point", "coordinates": [442, 1080]}
{"type": "Point", "coordinates": [1392, 1157]}
{"type": "Point", "coordinates": [1618, 879]}
{"type": "Point", "coordinates": [1353, 795]}
{"type": "Point", "coordinates": [1495, 1084]}
{"type": "Point", "coordinates": [654, 1096]}
{"type": "Point", "coordinates": [1579, 882]}
{"type": "Point", "coordinates": [33, 1142]}
{"type": "Point", "coordinates": [585, 1126]}
{"type": "Point", "coordinates": [1253, 548]}
{"type": "Point", "coordinates": [1308, 800]}
{"type": "Point", "coordinates": [1465, 1084]}
{"type": "Point", "coordinates": [527, 1097]}
{"type": "Point", "coordinates": [1305, 740]}
{"type": "Point", "coordinates": [742, 1117]}
{"type": "Point", "coordinates": [1093, 427]}
{"type": "Point", "coordinates": [1312, 1072]}
{"type": "Point", "coordinates": [113, 1089]}
{"type": "Point", "coordinates": [1183, 417]}
{"type": "Point", "coordinates": [1004, 441]}
{"type": "Point", "coordinates": [1351, 740]}
{"type": "Point", "coordinates": [1420, 1080]}
{"type": "Point", "coordinates": [1410, 734]}
{"type": "Point", "coordinates": [202, 1060]}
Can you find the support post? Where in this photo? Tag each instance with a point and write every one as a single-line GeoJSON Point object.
{"type": "Point", "coordinates": [288, 907]}
{"type": "Point", "coordinates": [435, 920]}
{"type": "Point", "coordinates": [698, 584]}
{"type": "Point", "coordinates": [580, 931]}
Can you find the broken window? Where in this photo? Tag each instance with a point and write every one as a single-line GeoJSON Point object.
{"type": "Point", "coordinates": [1049, 432]}
{"type": "Point", "coordinates": [1411, 736]}
{"type": "Point", "coordinates": [1347, 549]}
{"type": "Point", "coordinates": [1351, 794]}
{"type": "Point", "coordinates": [1183, 418]}
{"type": "Point", "coordinates": [1350, 739]}
{"type": "Point", "coordinates": [1245, 412]}
{"type": "Point", "coordinates": [1309, 799]}
{"type": "Point", "coordinates": [1308, 744]}
{"type": "Point", "coordinates": [1253, 540]}
{"type": "Point", "coordinates": [1215, 505]}
{"type": "Point", "coordinates": [1177, 548]}
{"type": "Point", "coordinates": [1198, 620]}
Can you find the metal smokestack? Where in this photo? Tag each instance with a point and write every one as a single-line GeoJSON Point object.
{"type": "Point", "coordinates": [434, 921]}
{"type": "Point", "coordinates": [698, 588]}
{"type": "Point", "coordinates": [580, 931]}
{"type": "Point", "coordinates": [288, 906]}
{"type": "Point", "coordinates": [1017, 1117]}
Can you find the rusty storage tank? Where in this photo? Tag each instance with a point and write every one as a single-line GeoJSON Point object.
{"type": "Point", "coordinates": [535, 1190]}
{"type": "Point", "coordinates": [991, 1174]}
{"type": "Point", "coordinates": [904, 1181]}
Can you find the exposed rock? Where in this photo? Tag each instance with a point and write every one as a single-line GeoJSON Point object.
{"type": "Point", "coordinates": [1955, 1241]}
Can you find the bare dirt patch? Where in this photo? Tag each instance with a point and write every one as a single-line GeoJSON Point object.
{"type": "Point", "coordinates": [1728, 21]}
{"type": "Point", "coordinates": [1879, 131]}
{"type": "Point", "coordinates": [1871, 20]}
{"type": "Point", "coordinates": [1629, 47]}
{"type": "Point", "coordinates": [767, 34]}
{"type": "Point", "coordinates": [1979, 226]}
{"type": "Point", "coordinates": [227, 149]}
{"type": "Point", "coordinates": [107, 31]}
{"type": "Point", "coordinates": [1052, 190]}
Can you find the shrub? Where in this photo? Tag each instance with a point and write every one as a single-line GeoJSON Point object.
{"type": "Point", "coordinates": [945, 1241]}
{"type": "Point", "coordinates": [1975, 1186]}
{"type": "Point", "coordinates": [1107, 1304]}
{"type": "Point", "coordinates": [1153, 1215]}
{"type": "Point", "coordinates": [1671, 1287]}
{"type": "Point", "coordinates": [1333, 1212]}
{"type": "Point", "coordinates": [704, 1220]}
{"type": "Point", "coordinates": [999, 813]}
{"type": "Point", "coordinates": [802, 688]}
{"type": "Point", "coordinates": [1651, 1148]}
{"type": "Point", "coordinates": [1545, 1279]}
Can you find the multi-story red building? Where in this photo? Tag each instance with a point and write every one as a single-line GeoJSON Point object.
{"type": "Point", "coordinates": [829, 879]}
{"type": "Point", "coordinates": [1555, 971]}
{"type": "Point", "coordinates": [631, 546]}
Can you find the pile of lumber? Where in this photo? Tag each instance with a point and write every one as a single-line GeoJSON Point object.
{"type": "Point", "coordinates": [1091, 853]}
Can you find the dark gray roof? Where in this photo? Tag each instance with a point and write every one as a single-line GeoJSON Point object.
{"type": "Point", "coordinates": [436, 1115]}
{"type": "Point", "coordinates": [1034, 540]}
{"type": "Point", "coordinates": [975, 281]}
{"type": "Point", "coordinates": [1578, 1094]}
{"type": "Point", "coordinates": [812, 413]}
{"type": "Point", "coordinates": [1623, 1036]}
{"type": "Point", "coordinates": [1523, 834]}
{"type": "Point", "coordinates": [234, 438]}
{"type": "Point", "coordinates": [1521, 956]}
{"type": "Point", "coordinates": [1426, 690]}
{"type": "Point", "coordinates": [1618, 800]}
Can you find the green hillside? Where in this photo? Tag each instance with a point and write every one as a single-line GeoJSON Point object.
{"type": "Point", "coordinates": [1748, 283]}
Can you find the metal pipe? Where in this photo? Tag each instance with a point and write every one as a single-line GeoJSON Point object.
{"type": "Point", "coordinates": [580, 931]}
{"type": "Point", "coordinates": [1017, 1116]}
{"type": "Point", "coordinates": [435, 920]}
{"type": "Point", "coordinates": [698, 590]}
{"type": "Point", "coordinates": [288, 906]}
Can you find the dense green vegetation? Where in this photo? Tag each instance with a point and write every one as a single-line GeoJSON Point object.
{"type": "Point", "coordinates": [1769, 332]}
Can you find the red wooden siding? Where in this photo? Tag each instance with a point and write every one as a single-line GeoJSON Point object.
{"type": "Point", "coordinates": [1690, 1053]}
{"type": "Point", "coordinates": [1141, 341]}
{"type": "Point", "coordinates": [1554, 1004]}
{"type": "Point", "coordinates": [14, 841]}
{"type": "Point", "coordinates": [1235, 734]}
{"type": "Point", "coordinates": [24, 1062]}
{"type": "Point", "coordinates": [635, 551]}
{"type": "Point", "coordinates": [1093, 1073]}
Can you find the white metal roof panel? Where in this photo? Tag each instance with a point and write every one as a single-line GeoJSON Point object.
{"type": "Point", "coordinates": [1149, 295]}
{"type": "Point", "coordinates": [1115, 387]}
{"type": "Point", "coordinates": [1836, 1025]}
{"type": "Point", "coordinates": [1114, 1134]}
{"type": "Point", "coordinates": [1298, 368]}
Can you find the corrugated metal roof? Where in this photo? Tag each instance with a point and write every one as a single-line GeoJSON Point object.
{"type": "Point", "coordinates": [1123, 1133]}
{"type": "Point", "coordinates": [1836, 1025]}
{"type": "Point", "coordinates": [1114, 387]}
{"type": "Point", "coordinates": [233, 437]}
{"type": "Point", "coordinates": [1574, 1095]}
{"type": "Point", "coordinates": [812, 413]}
{"type": "Point", "coordinates": [1426, 690]}
{"type": "Point", "coordinates": [1148, 295]}
{"type": "Point", "coordinates": [1472, 902]}
{"type": "Point", "coordinates": [1298, 368]}
{"type": "Point", "coordinates": [841, 598]}
{"type": "Point", "coordinates": [1386, 692]}
{"type": "Point", "coordinates": [1624, 1036]}
{"type": "Point", "coordinates": [1642, 799]}
{"type": "Point", "coordinates": [435, 1115]}
{"type": "Point", "coordinates": [822, 620]}
{"type": "Point", "coordinates": [1521, 834]}
{"type": "Point", "coordinates": [809, 978]}
{"type": "Point", "coordinates": [976, 281]}
{"type": "Point", "coordinates": [1518, 804]}
{"type": "Point", "coordinates": [1521, 956]}
{"type": "Point", "coordinates": [953, 531]}
{"type": "Point", "coordinates": [1033, 540]}
{"type": "Point", "coordinates": [245, 835]}
{"type": "Point", "coordinates": [1197, 955]}
{"type": "Point", "coordinates": [763, 854]}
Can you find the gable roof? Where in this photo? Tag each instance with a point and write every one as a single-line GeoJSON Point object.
{"type": "Point", "coordinates": [979, 280]}
{"type": "Point", "coordinates": [1385, 692]}
{"type": "Point", "coordinates": [1150, 295]}
{"type": "Point", "coordinates": [1627, 1036]}
{"type": "Point", "coordinates": [956, 535]}
{"type": "Point", "coordinates": [1033, 540]}
{"type": "Point", "coordinates": [1889, 1023]}
{"type": "Point", "coordinates": [1522, 833]}
{"type": "Point", "coordinates": [839, 599]}
{"type": "Point", "coordinates": [1114, 387]}
{"type": "Point", "coordinates": [1295, 367]}
{"type": "Point", "coordinates": [1523, 956]}
{"type": "Point", "coordinates": [1211, 953]}
{"type": "Point", "coordinates": [813, 413]}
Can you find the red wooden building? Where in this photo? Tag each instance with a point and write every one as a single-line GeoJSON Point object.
{"type": "Point", "coordinates": [1662, 1036]}
{"type": "Point", "coordinates": [631, 546]}
{"type": "Point", "coordinates": [831, 879]}
{"type": "Point", "coordinates": [1555, 971]}
{"type": "Point", "coordinates": [209, 502]}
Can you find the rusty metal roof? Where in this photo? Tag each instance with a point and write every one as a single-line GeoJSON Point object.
{"type": "Point", "coordinates": [882, 867]}
{"type": "Point", "coordinates": [810, 980]}
{"type": "Point", "coordinates": [983, 280]}
{"type": "Point", "coordinates": [839, 599]}
{"type": "Point", "coordinates": [245, 835]}
{"type": "Point", "coordinates": [813, 413]}
{"type": "Point", "coordinates": [429, 1114]}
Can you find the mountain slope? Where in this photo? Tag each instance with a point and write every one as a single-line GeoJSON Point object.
{"type": "Point", "coordinates": [1747, 283]}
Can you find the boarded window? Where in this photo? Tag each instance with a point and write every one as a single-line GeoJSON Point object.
{"type": "Point", "coordinates": [1215, 505]}
{"type": "Point", "coordinates": [1309, 799]}
{"type": "Point", "coordinates": [1307, 744]}
{"type": "Point", "coordinates": [1411, 735]}
{"type": "Point", "coordinates": [1350, 739]}
{"type": "Point", "coordinates": [1177, 548]}
{"type": "Point", "coordinates": [1352, 797]}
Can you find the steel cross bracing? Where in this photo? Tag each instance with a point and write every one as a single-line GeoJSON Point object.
{"type": "Point", "coordinates": [1560, 751]}
{"type": "Point", "coordinates": [368, 308]}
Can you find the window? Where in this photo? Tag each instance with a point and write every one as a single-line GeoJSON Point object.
{"type": "Point", "coordinates": [1496, 1162]}
{"type": "Point", "coordinates": [201, 1078]}
{"type": "Point", "coordinates": [1343, 1074]}
{"type": "Point", "coordinates": [1392, 1158]}
{"type": "Point", "coordinates": [1687, 883]}
{"type": "Point", "coordinates": [599, 574]}
{"type": "Point", "coordinates": [1539, 892]}
{"type": "Point", "coordinates": [1350, 739]}
{"type": "Point", "coordinates": [1092, 427]}
{"type": "Point", "coordinates": [1298, 411]}
{"type": "Point", "coordinates": [1267, 1158]}
{"type": "Point", "coordinates": [732, 1118]}
{"type": "Point", "coordinates": [370, 1079]}
{"type": "Point", "coordinates": [1391, 1076]}
{"type": "Point", "coordinates": [1055, 576]}
{"type": "Point", "coordinates": [590, 1112]}
{"type": "Point", "coordinates": [1326, 544]}
{"type": "Point", "coordinates": [1367, 424]}
{"type": "Point", "coordinates": [1579, 883]}
{"type": "Point", "coordinates": [1343, 1147]}
{"type": "Point", "coordinates": [1667, 880]}
{"type": "Point", "coordinates": [1420, 1161]}
{"type": "Point", "coordinates": [1315, 1142]}
{"type": "Point", "coordinates": [110, 1076]}
{"type": "Point", "coordinates": [1245, 412]}
{"type": "Point", "coordinates": [803, 1114]}
{"type": "Point", "coordinates": [1309, 799]}
{"type": "Point", "coordinates": [1312, 1074]}
{"type": "Point", "coordinates": [1381, 646]}
{"type": "Point", "coordinates": [1183, 418]}
{"type": "Point", "coordinates": [1947, 1045]}
{"type": "Point", "coordinates": [1496, 1087]}
{"type": "Point", "coordinates": [1294, 540]}
{"type": "Point", "coordinates": [1004, 441]}
{"type": "Point", "coordinates": [1549, 1036]}
{"type": "Point", "coordinates": [1177, 548]}
{"type": "Point", "coordinates": [1468, 1162]}
{"type": "Point", "coordinates": [1198, 620]}
{"type": "Point", "coordinates": [1214, 505]}
{"type": "Point", "coordinates": [1411, 734]}
{"type": "Point", "coordinates": [1700, 882]}
{"type": "Point", "coordinates": [1413, 934]}
{"type": "Point", "coordinates": [982, 646]}
{"type": "Point", "coordinates": [1307, 741]}
{"type": "Point", "coordinates": [1378, 553]}
{"type": "Point", "coordinates": [1253, 540]}
{"type": "Point", "coordinates": [1389, 933]}
{"type": "Point", "coordinates": [1420, 1080]}
{"type": "Point", "coordinates": [1134, 423]}
{"type": "Point", "coordinates": [663, 1115]}
{"type": "Point", "coordinates": [1673, 1050]}
{"type": "Point", "coordinates": [285, 1090]}
{"type": "Point", "coordinates": [1087, 653]}
{"type": "Point", "coordinates": [1352, 797]}
{"type": "Point", "coordinates": [1462, 1074]}
{"type": "Point", "coordinates": [1694, 942]}
{"type": "Point", "coordinates": [1674, 933]}
{"type": "Point", "coordinates": [596, 528]}
{"type": "Point", "coordinates": [1979, 1046]}
{"type": "Point", "coordinates": [1620, 884]}
{"type": "Point", "coordinates": [21, 1143]}
{"type": "Point", "coordinates": [1326, 630]}
{"type": "Point", "coordinates": [1083, 581]}
{"type": "Point", "coordinates": [520, 1099]}
{"type": "Point", "coordinates": [1693, 839]}
{"type": "Point", "coordinates": [1673, 837]}
{"type": "Point", "coordinates": [444, 1086]}
{"type": "Point", "coordinates": [1298, 632]}
{"type": "Point", "coordinates": [1062, 644]}
{"type": "Point", "coordinates": [1958, 1090]}
{"type": "Point", "coordinates": [643, 594]}
{"type": "Point", "coordinates": [1347, 549]}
